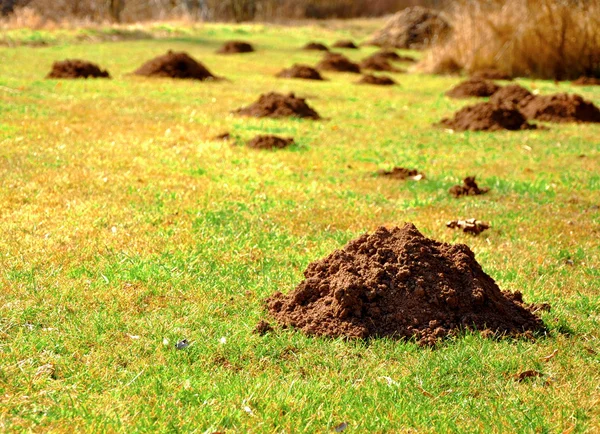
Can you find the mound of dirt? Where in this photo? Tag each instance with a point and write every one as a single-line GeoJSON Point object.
{"type": "Point", "coordinates": [397, 283]}
{"type": "Point", "coordinates": [401, 173]}
{"type": "Point", "coordinates": [75, 68]}
{"type": "Point", "coordinates": [270, 142]}
{"type": "Point", "coordinates": [473, 87]}
{"type": "Point", "coordinates": [490, 74]}
{"type": "Point", "coordinates": [486, 116]}
{"type": "Point", "coordinates": [345, 44]}
{"type": "Point", "coordinates": [414, 27]}
{"type": "Point", "coordinates": [338, 62]}
{"type": "Point", "coordinates": [561, 107]}
{"type": "Point", "coordinates": [379, 80]}
{"type": "Point", "coordinates": [469, 188]}
{"type": "Point", "coordinates": [315, 46]}
{"type": "Point", "coordinates": [469, 226]}
{"type": "Point", "coordinates": [511, 95]}
{"type": "Point", "coordinates": [175, 65]}
{"type": "Point", "coordinates": [586, 81]}
{"type": "Point", "coordinates": [391, 56]}
{"type": "Point", "coordinates": [234, 47]}
{"type": "Point", "coordinates": [276, 105]}
{"type": "Point", "coordinates": [378, 64]}
{"type": "Point", "coordinates": [300, 71]}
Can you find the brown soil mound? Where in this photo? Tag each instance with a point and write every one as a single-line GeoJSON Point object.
{"type": "Point", "coordinates": [380, 80]}
{"type": "Point", "coordinates": [276, 105]}
{"type": "Point", "coordinates": [561, 107]}
{"type": "Point", "coordinates": [234, 47]}
{"type": "Point", "coordinates": [414, 27]}
{"type": "Point", "coordinates": [473, 88]}
{"type": "Point", "coordinates": [511, 95]}
{"type": "Point", "coordinates": [338, 62]}
{"type": "Point", "coordinates": [401, 173]}
{"type": "Point", "coordinates": [315, 46]}
{"type": "Point", "coordinates": [300, 71]}
{"type": "Point", "coordinates": [469, 188]}
{"type": "Point", "coordinates": [75, 68]}
{"type": "Point", "coordinates": [175, 65]}
{"type": "Point", "coordinates": [586, 81]}
{"type": "Point", "coordinates": [345, 44]}
{"type": "Point", "coordinates": [486, 116]}
{"type": "Point", "coordinates": [469, 226]}
{"type": "Point", "coordinates": [378, 64]}
{"type": "Point", "coordinates": [270, 142]}
{"type": "Point", "coordinates": [399, 284]}
{"type": "Point", "coordinates": [391, 56]}
{"type": "Point", "coordinates": [490, 74]}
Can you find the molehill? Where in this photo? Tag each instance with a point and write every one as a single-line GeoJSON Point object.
{"type": "Point", "coordinates": [277, 105]}
{"type": "Point", "coordinates": [175, 65]}
{"type": "Point", "coordinates": [75, 68]}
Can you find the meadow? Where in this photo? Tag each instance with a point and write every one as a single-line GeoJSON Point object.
{"type": "Point", "coordinates": [125, 227]}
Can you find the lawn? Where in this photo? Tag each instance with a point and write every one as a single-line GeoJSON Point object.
{"type": "Point", "coordinates": [125, 227]}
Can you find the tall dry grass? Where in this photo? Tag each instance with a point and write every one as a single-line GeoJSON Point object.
{"type": "Point", "coordinates": [549, 39]}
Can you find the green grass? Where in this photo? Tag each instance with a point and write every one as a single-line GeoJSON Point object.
{"type": "Point", "coordinates": [124, 226]}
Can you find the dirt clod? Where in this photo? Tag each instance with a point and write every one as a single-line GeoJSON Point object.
{"type": "Point", "coordinates": [401, 173]}
{"type": "Point", "coordinates": [270, 142]}
{"type": "Point", "coordinates": [512, 94]}
{"type": "Point", "coordinates": [338, 62]}
{"type": "Point", "coordinates": [315, 46]}
{"type": "Point", "coordinates": [561, 107]}
{"type": "Point", "coordinates": [75, 68]}
{"type": "Point", "coordinates": [277, 105]}
{"type": "Point", "coordinates": [235, 47]}
{"type": "Point", "coordinates": [345, 44]}
{"type": "Point", "coordinates": [378, 64]}
{"type": "Point", "coordinates": [397, 283]}
{"type": "Point", "coordinates": [300, 71]}
{"type": "Point", "coordinates": [491, 74]}
{"type": "Point", "coordinates": [391, 56]}
{"type": "Point", "coordinates": [469, 188]}
{"type": "Point", "coordinates": [469, 226]}
{"type": "Point", "coordinates": [378, 80]}
{"type": "Point", "coordinates": [223, 136]}
{"type": "Point", "coordinates": [587, 81]}
{"type": "Point", "coordinates": [473, 87]}
{"type": "Point", "coordinates": [262, 328]}
{"type": "Point", "coordinates": [175, 65]}
{"type": "Point", "coordinates": [487, 116]}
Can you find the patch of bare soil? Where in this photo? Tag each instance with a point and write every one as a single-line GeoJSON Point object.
{"type": "Point", "coordinates": [587, 81]}
{"type": "Point", "coordinates": [397, 283]}
{"type": "Point", "coordinates": [345, 44]}
{"type": "Point", "coordinates": [276, 105]}
{"type": "Point", "coordinates": [338, 62]}
{"type": "Point", "coordinates": [175, 65]}
{"type": "Point", "coordinates": [262, 328]}
{"type": "Point", "coordinates": [469, 188]}
{"type": "Point", "coordinates": [402, 174]}
{"type": "Point", "coordinates": [235, 47]}
{"type": "Point", "coordinates": [469, 226]}
{"type": "Point", "coordinates": [379, 64]}
{"type": "Point", "coordinates": [490, 74]}
{"type": "Point", "coordinates": [300, 71]}
{"type": "Point", "coordinates": [75, 68]}
{"type": "Point", "coordinates": [378, 80]}
{"type": "Point", "coordinates": [315, 46]}
{"type": "Point", "coordinates": [512, 94]}
{"type": "Point", "coordinates": [415, 27]}
{"type": "Point", "coordinates": [392, 56]}
{"type": "Point", "coordinates": [473, 87]}
{"type": "Point", "coordinates": [561, 107]}
{"type": "Point", "coordinates": [487, 116]}
{"type": "Point", "coordinates": [270, 142]}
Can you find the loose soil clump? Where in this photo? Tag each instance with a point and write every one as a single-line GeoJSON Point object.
{"type": "Point", "coordinates": [75, 68]}
{"type": "Point", "coordinates": [345, 44]}
{"type": "Point", "coordinates": [315, 46]}
{"type": "Point", "coordinates": [469, 226]}
{"type": "Point", "coordinates": [586, 81]}
{"type": "Point", "coordinates": [399, 284]}
{"type": "Point", "coordinates": [378, 80]}
{"type": "Point", "coordinates": [262, 328]}
{"type": "Point", "coordinates": [276, 105]}
{"type": "Point", "coordinates": [300, 71]}
{"type": "Point", "coordinates": [379, 64]}
{"type": "Point", "coordinates": [401, 173]}
{"type": "Point", "coordinates": [561, 107]}
{"type": "Point", "coordinates": [391, 56]}
{"type": "Point", "coordinates": [469, 188]}
{"type": "Point", "coordinates": [490, 74]}
{"type": "Point", "coordinates": [473, 88]}
{"type": "Point", "coordinates": [511, 95]}
{"type": "Point", "coordinates": [175, 65]}
{"type": "Point", "coordinates": [235, 47]}
{"type": "Point", "coordinates": [270, 142]}
{"type": "Point", "coordinates": [338, 62]}
{"type": "Point", "coordinates": [487, 116]}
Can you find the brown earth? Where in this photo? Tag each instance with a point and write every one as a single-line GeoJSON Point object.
{"type": "Point", "coordinates": [234, 47]}
{"type": "Point", "coordinates": [378, 80]}
{"type": "Point", "coordinates": [490, 74]}
{"type": "Point", "coordinates": [75, 68]}
{"type": "Point", "coordinates": [300, 71]}
{"type": "Point", "coordinates": [391, 56]}
{"type": "Point", "coordinates": [512, 94]}
{"type": "Point", "coordinates": [586, 81]}
{"type": "Point", "coordinates": [379, 64]}
{"type": "Point", "coordinates": [175, 65]}
{"type": "Point", "coordinates": [473, 88]}
{"type": "Point", "coordinates": [262, 328]}
{"type": "Point", "coordinates": [338, 62]}
{"type": "Point", "coordinates": [486, 116]}
{"type": "Point", "coordinates": [223, 136]}
{"type": "Point", "coordinates": [469, 188]}
{"type": "Point", "coordinates": [316, 46]}
{"type": "Point", "coordinates": [414, 27]}
{"type": "Point", "coordinates": [397, 283]}
{"type": "Point", "coordinates": [345, 44]}
{"type": "Point", "coordinates": [270, 142]}
{"type": "Point", "coordinates": [401, 173]}
{"type": "Point", "coordinates": [276, 105]}
{"type": "Point", "coordinates": [469, 226]}
{"type": "Point", "coordinates": [561, 107]}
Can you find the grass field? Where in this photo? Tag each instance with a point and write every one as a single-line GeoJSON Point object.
{"type": "Point", "coordinates": [124, 228]}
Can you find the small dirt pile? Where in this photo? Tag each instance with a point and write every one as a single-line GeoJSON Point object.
{"type": "Point", "coordinates": [401, 173]}
{"type": "Point", "coordinates": [300, 71]}
{"type": "Point", "coordinates": [270, 142]}
{"type": "Point", "coordinates": [345, 44]}
{"type": "Point", "coordinates": [378, 64]}
{"type": "Point", "coordinates": [391, 56]}
{"type": "Point", "coordinates": [473, 87]}
{"type": "Point", "coordinates": [561, 107]}
{"type": "Point", "coordinates": [397, 283]}
{"type": "Point", "coordinates": [586, 81]}
{"type": "Point", "coordinates": [414, 27]}
{"type": "Point", "coordinates": [175, 65]}
{"type": "Point", "coordinates": [490, 74]}
{"type": "Point", "coordinates": [235, 47]}
{"type": "Point", "coordinates": [486, 116]}
{"type": "Point", "coordinates": [276, 105]}
{"type": "Point", "coordinates": [469, 188]}
{"type": "Point", "coordinates": [469, 226]}
{"type": "Point", "coordinates": [378, 80]}
{"type": "Point", "coordinates": [511, 95]}
{"type": "Point", "coordinates": [75, 68]}
{"type": "Point", "coordinates": [338, 62]}
{"type": "Point", "coordinates": [315, 46]}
